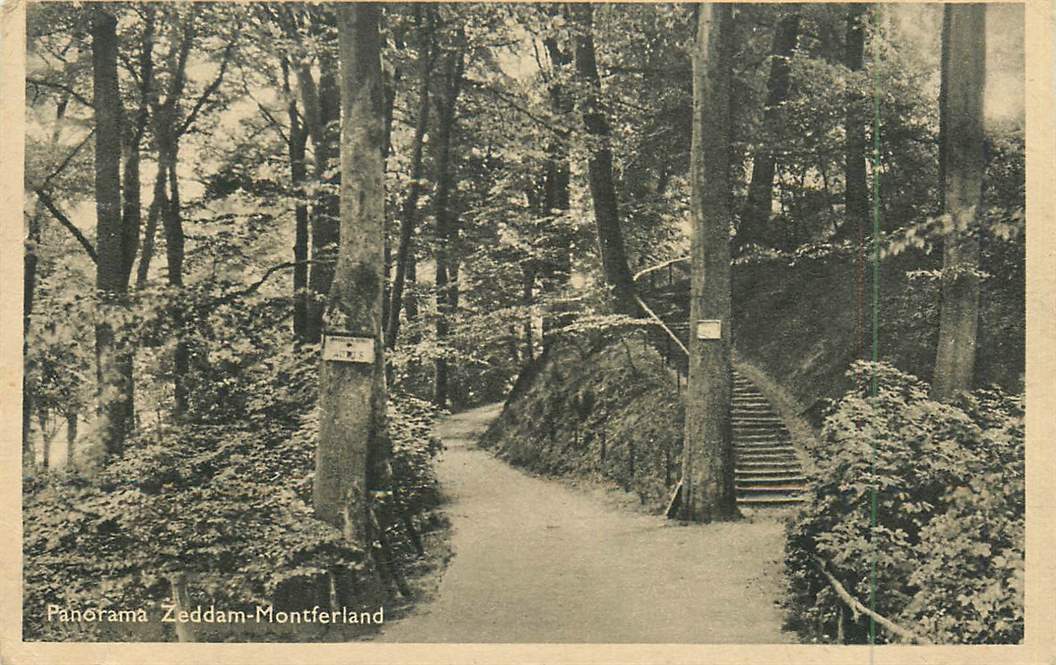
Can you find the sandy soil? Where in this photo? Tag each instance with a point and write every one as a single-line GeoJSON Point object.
{"type": "Point", "coordinates": [536, 560]}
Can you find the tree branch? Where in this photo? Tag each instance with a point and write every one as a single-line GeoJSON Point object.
{"type": "Point", "coordinates": [858, 608]}
{"type": "Point", "coordinates": [66, 162]}
{"type": "Point", "coordinates": [65, 221]}
{"type": "Point", "coordinates": [506, 98]}
{"type": "Point", "coordinates": [209, 91]}
{"type": "Point", "coordinates": [61, 87]}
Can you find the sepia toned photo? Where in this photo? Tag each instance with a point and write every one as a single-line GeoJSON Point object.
{"type": "Point", "coordinates": [524, 324]}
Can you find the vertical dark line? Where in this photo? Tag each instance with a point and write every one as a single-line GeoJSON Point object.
{"type": "Point", "coordinates": [874, 388]}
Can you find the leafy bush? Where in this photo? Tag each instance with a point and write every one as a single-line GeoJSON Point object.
{"type": "Point", "coordinates": [222, 497]}
{"type": "Point", "coordinates": [946, 547]}
{"type": "Point", "coordinates": [613, 412]}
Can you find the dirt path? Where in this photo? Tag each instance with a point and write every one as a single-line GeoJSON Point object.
{"type": "Point", "coordinates": [538, 561]}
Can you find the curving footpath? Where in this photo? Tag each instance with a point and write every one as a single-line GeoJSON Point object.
{"type": "Point", "coordinates": [538, 561]}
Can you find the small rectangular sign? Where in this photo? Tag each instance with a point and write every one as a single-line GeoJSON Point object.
{"type": "Point", "coordinates": [345, 349]}
{"type": "Point", "coordinates": [709, 329]}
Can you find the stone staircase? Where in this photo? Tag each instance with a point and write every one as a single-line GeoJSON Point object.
{"type": "Point", "coordinates": [767, 472]}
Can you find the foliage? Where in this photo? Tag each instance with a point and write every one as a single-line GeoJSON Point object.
{"type": "Point", "coordinates": [930, 496]}
{"type": "Point", "coordinates": [612, 412]}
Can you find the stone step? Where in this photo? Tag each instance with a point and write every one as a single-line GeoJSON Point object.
{"type": "Point", "coordinates": [767, 473]}
{"type": "Point", "coordinates": [768, 501]}
{"type": "Point", "coordinates": [766, 458]}
{"type": "Point", "coordinates": [782, 479]}
{"type": "Point", "coordinates": [758, 436]}
{"type": "Point", "coordinates": [772, 458]}
{"type": "Point", "coordinates": [762, 445]}
{"type": "Point", "coordinates": [782, 466]}
{"type": "Point", "coordinates": [758, 428]}
{"type": "Point", "coordinates": [753, 453]}
{"type": "Point", "coordinates": [765, 490]}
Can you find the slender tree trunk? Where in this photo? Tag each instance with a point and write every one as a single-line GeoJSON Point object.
{"type": "Point", "coordinates": [150, 232]}
{"type": "Point", "coordinates": [296, 147]}
{"type": "Point", "coordinates": [29, 285]}
{"type": "Point", "coordinates": [45, 438]}
{"type": "Point", "coordinates": [132, 215]}
{"type": "Point", "coordinates": [556, 186]}
{"type": "Point", "coordinates": [445, 224]}
{"type": "Point", "coordinates": [409, 218]}
{"type": "Point", "coordinates": [174, 253]}
{"type": "Point", "coordinates": [962, 166]}
{"type": "Point", "coordinates": [856, 189]}
{"type": "Point", "coordinates": [322, 110]}
{"type": "Point", "coordinates": [707, 463]}
{"type": "Point", "coordinates": [599, 169]}
{"type": "Point", "coordinates": [114, 385]}
{"type": "Point", "coordinates": [529, 297]}
{"type": "Point", "coordinates": [71, 438]}
{"type": "Point", "coordinates": [755, 223]}
{"type": "Point", "coordinates": [352, 395]}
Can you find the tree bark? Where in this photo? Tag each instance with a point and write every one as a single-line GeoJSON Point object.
{"type": "Point", "coordinates": [528, 298]}
{"type": "Point", "coordinates": [446, 231]}
{"type": "Point", "coordinates": [707, 463]}
{"type": "Point", "coordinates": [755, 223]}
{"type": "Point", "coordinates": [150, 232]}
{"type": "Point", "coordinates": [132, 216]}
{"type": "Point", "coordinates": [409, 218]}
{"type": "Point", "coordinates": [962, 165]}
{"type": "Point", "coordinates": [45, 438]}
{"type": "Point", "coordinates": [71, 438]}
{"type": "Point", "coordinates": [556, 186]}
{"type": "Point", "coordinates": [174, 253]}
{"type": "Point", "coordinates": [352, 395]}
{"type": "Point", "coordinates": [29, 286]}
{"type": "Point", "coordinates": [321, 113]}
{"type": "Point", "coordinates": [856, 187]}
{"type": "Point", "coordinates": [599, 169]}
{"type": "Point", "coordinates": [114, 396]}
{"type": "Point", "coordinates": [296, 147]}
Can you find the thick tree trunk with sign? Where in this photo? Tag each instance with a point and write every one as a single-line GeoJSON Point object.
{"type": "Point", "coordinates": [961, 166]}
{"type": "Point", "coordinates": [352, 394]}
{"type": "Point", "coordinates": [707, 463]}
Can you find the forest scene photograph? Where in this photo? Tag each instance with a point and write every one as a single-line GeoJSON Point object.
{"type": "Point", "coordinates": [491, 322]}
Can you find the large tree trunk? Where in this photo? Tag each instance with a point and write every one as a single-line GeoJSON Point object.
{"type": "Point", "coordinates": [599, 169]}
{"type": "Point", "coordinates": [409, 219]}
{"type": "Point", "coordinates": [352, 394]}
{"type": "Point", "coordinates": [755, 224]}
{"type": "Point", "coordinates": [446, 231]}
{"type": "Point", "coordinates": [113, 367]}
{"type": "Point", "coordinates": [962, 165]}
{"type": "Point", "coordinates": [707, 462]}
